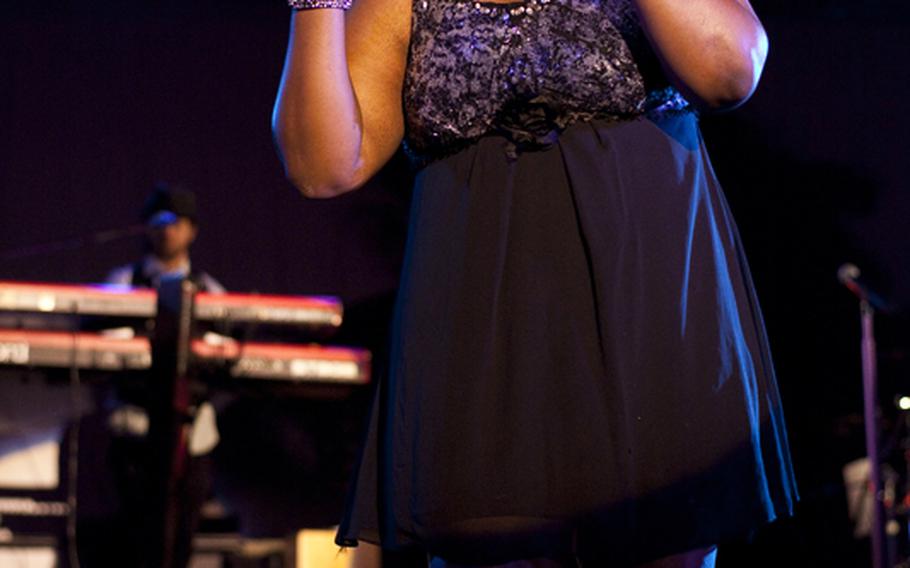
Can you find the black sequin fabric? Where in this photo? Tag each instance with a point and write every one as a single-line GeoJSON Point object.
{"type": "Point", "coordinates": [525, 70]}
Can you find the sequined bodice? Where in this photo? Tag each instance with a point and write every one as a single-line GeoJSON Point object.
{"type": "Point", "coordinates": [524, 69]}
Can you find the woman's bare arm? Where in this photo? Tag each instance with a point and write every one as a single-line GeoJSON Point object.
{"type": "Point", "coordinates": [713, 50]}
{"type": "Point", "coordinates": [338, 117]}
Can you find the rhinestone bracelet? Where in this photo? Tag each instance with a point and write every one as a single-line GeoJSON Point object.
{"type": "Point", "coordinates": [313, 4]}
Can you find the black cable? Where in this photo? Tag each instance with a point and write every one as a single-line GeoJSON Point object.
{"type": "Point", "coordinates": [72, 458]}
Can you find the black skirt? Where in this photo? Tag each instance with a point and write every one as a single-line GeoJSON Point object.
{"type": "Point", "coordinates": [578, 362]}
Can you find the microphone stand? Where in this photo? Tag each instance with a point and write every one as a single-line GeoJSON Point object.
{"type": "Point", "coordinates": [848, 274]}
{"type": "Point", "coordinates": [870, 418]}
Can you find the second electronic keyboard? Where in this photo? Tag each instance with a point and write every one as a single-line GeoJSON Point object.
{"type": "Point", "coordinates": [242, 360]}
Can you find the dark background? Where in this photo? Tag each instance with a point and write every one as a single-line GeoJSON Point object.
{"type": "Point", "coordinates": [101, 99]}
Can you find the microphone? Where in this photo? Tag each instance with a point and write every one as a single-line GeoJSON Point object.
{"type": "Point", "coordinates": [849, 275]}
{"type": "Point", "coordinates": [96, 238]}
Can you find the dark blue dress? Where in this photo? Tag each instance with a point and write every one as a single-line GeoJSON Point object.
{"type": "Point", "coordinates": [578, 363]}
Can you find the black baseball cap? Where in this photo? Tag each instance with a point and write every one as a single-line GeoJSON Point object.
{"type": "Point", "coordinates": [164, 198]}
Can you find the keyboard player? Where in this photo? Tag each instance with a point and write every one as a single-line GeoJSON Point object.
{"type": "Point", "coordinates": [172, 225]}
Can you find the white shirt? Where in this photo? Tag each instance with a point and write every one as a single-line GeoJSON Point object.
{"type": "Point", "coordinates": [153, 269]}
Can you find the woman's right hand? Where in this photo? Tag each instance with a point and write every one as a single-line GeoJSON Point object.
{"type": "Point", "coordinates": [338, 116]}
